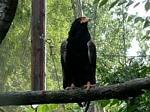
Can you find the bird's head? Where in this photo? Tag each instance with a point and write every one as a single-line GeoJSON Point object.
{"type": "Point", "coordinates": [84, 20]}
{"type": "Point", "coordinates": [81, 20]}
{"type": "Point", "coordinates": [79, 24]}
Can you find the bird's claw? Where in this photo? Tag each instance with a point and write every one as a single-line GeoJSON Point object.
{"type": "Point", "coordinates": [71, 87]}
{"type": "Point", "coordinates": [89, 85]}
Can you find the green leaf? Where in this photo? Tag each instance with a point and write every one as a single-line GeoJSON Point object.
{"type": "Point", "coordinates": [138, 19]}
{"type": "Point", "coordinates": [148, 32]}
{"type": "Point", "coordinates": [146, 24]}
{"type": "Point", "coordinates": [105, 103]}
{"type": "Point", "coordinates": [114, 102]}
{"type": "Point", "coordinates": [113, 4]}
{"type": "Point", "coordinates": [129, 3]}
{"type": "Point", "coordinates": [96, 1]}
{"type": "Point", "coordinates": [146, 37]}
{"type": "Point", "coordinates": [122, 2]}
{"type": "Point", "coordinates": [103, 3]}
{"type": "Point", "coordinates": [125, 15]}
{"type": "Point", "coordinates": [130, 17]}
{"type": "Point", "coordinates": [122, 109]}
{"type": "Point", "coordinates": [147, 5]}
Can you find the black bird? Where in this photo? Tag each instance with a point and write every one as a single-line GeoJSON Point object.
{"type": "Point", "coordinates": [78, 57]}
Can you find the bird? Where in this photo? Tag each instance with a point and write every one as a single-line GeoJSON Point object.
{"type": "Point", "coordinates": [78, 57]}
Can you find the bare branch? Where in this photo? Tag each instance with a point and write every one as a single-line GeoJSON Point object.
{"type": "Point", "coordinates": [130, 88]}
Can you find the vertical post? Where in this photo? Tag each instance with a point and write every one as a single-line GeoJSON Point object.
{"type": "Point", "coordinates": [38, 45]}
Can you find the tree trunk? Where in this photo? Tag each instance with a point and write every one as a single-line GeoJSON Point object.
{"type": "Point", "coordinates": [95, 19]}
{"type": "Point", "coordinates": [77, 8]}
{"type": "Point", "coordinates": [121, 91]}
{"type": "Point", "coordinates": [38, 45]}
{"type": "Point", "coordinates": [7, 13]}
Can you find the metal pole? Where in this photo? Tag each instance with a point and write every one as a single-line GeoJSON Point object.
{"type": "Point", "coordinates": [38, 45]}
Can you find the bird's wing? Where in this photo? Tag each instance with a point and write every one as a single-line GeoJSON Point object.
{"type": "Point", "coordinates": [63, 51]}
{"type": "Point", "coordinates": [92, 60]}
{"type": "Point", "coordinates": [91, 52]}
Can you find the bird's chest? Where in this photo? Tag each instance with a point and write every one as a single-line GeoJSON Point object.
{"type": "Point", "coordinates": [77, 55]}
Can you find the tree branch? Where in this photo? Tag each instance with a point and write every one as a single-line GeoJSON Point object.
{"type": "Point", "coordinates": [130, 88]}
{"type": "Point", "coordinates": [77, 8]}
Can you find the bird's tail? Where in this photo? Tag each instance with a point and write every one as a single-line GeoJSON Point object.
{"type": "Point", "coordinates": [84, 104]}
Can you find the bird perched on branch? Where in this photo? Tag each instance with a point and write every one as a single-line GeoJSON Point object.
{"type": "Point", "coordinates": [78, 57]}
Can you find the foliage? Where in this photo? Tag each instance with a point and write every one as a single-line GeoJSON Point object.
{"type": "Point", "coordinates": [112, 28]}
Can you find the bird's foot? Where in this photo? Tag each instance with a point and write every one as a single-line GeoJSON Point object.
{"type": "Point", "coordinates": [89, 85]}
{"type": "Point", "coordinates": [71, 87]}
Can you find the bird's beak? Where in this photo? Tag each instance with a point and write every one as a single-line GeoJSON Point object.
{"type": "Point", "coordinates": [85, 20]}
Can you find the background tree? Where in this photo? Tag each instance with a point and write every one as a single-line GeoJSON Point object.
{"type": "Point", "coordinates": [114, 30]}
